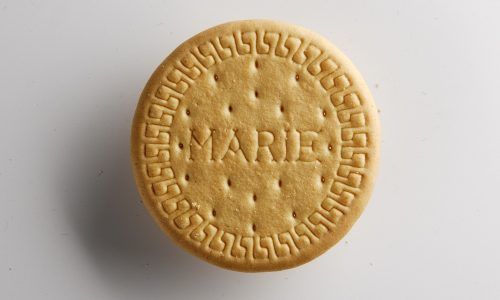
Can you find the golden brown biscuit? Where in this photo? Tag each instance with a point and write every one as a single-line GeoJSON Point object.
{"type": "Point", "coordinates": [255, 145]}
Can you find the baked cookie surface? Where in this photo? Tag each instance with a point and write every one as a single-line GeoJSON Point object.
{"type": "Point", "coordinates": [255, 145]}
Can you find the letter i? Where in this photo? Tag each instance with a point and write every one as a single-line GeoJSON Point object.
{"type": "Point", "coordinates": [292, 145]}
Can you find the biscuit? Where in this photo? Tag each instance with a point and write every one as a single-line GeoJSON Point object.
{"type": "Point", "coordinates": [255, 145]}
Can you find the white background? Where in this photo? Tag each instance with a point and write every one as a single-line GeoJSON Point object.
{"type": "Point", "coordinates": [71, 222]}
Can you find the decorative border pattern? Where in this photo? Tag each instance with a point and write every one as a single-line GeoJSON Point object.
{"type": "Point", "coordinates": [162, 185]}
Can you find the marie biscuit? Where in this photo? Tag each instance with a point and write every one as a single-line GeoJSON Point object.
{"type": "Point", "coordinates": [255, 145]}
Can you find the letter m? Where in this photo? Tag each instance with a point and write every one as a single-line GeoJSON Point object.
{"type": "Point", "coordinates": [200, 145]}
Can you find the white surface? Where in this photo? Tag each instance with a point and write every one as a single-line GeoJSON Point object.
{"type": "Point", "coordinates": [72, 225]}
